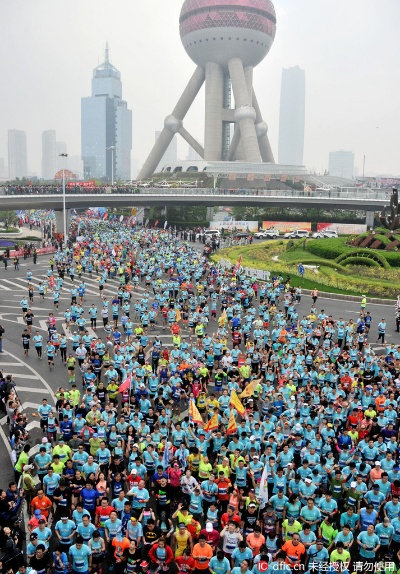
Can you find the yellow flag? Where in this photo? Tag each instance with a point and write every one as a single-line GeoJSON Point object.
{"type": "Point", "coordinates": [235, 402]}
{"type": "Point", "coordinates": [232, 426]}
{"type": "Point", "coordinates": [212, 423]}
{"type": "Point", "coordinates": [178, 316]}
{"type": "Point", "coordinates": [194, 414]}
{"type": "Point", "coordinates": [249, 390]}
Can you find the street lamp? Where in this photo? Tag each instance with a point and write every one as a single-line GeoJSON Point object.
{"type": "Point", "coordinates": [112, 148]}
{"type": "Point", "coordinates": [64, 210]}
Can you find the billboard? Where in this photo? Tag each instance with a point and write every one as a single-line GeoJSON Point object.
{"type": "Point", "coordinates": [286, 226]}
{"type": "Point", "coordinates": [343, 228]}
{"type": "Point", "coordinates": [238, 225]}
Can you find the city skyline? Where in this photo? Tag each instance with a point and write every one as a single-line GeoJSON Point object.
{"type": "Point", "coordinates": [351, 87]}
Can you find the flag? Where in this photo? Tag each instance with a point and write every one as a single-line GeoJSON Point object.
{"type": "Point", "coordinates": [232, 426]}
{"type": "Point", "coordinates": [194, 414]}
{"type": "Point", "coordinates": [121, 218]}
{"type": "Point", "coordinates": [165, 460]}
{"type": "Point", "coordinates": [105, 215]}
{"type": "Point", "coordinates": [156, 223]}
{"type": "Point", "coordinates": [263, 494]}
{"type": "Point", "coordinates": [249, 390]}
{"type": "Point", "coordinates": [238, 264]}
{"type": "Point", "coordinates": [212, 423]}
{"type": "Point", "coordinates": [182, 458]}
{"type": "Point", "coordinates": [125, 384]}
{"type": "Point", "coordinates": [235, 402]}
{"type": "Point", "coordinates": [178, 315]}
{"type": "Point", "coordinates": [165, 225]}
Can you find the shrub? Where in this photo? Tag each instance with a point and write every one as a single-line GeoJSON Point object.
{"type": "Point", "coordinates": [289, 245]}
{"type": "Point", "coordinates": [327, 248]}
{"type": "Point", "coordinates": [366, 254]}
{"type": "Point", "coordinates": [393, 258]}
{"type": "Point", "coordinates": [354, 260]}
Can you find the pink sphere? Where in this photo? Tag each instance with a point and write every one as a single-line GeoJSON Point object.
{"type": "Point", "coordinates": [218, 30]}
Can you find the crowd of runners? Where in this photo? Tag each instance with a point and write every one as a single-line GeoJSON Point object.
{"type": "Point", "coordinates": [203, 425]}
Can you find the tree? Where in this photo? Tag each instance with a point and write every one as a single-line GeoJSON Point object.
{"type": "Point", "coordinates": [8, 218]}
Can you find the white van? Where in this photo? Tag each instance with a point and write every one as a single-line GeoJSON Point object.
{"type": "Point", "coordinates": [298, 234]}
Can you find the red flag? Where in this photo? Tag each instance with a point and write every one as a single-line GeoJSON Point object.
{"type": "Point", "coordinates": [156, 223]}
{"type": "Point", "coordinates": [105, 215]}
{"type": "Point", "coordinates": [238, 264]}
{"type": "Point", "coordinates": [125, 384]}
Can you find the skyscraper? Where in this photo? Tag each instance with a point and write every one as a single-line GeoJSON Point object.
{"type": "Point", "coordinates": [49, 154]}
{"type": "Point", "coordinates": [341, 164]}
{"type": "Point", "coordinates": [292, 116]}
{"type": "Point", "coordinates": [171, 155]}
{"type": "Point", "coordinates": [106, 122]}
{"type": "Point", "coordinates": [17, 154]}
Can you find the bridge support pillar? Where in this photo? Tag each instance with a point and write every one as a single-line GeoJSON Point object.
{"type": "Point", "coordinates": [369, 220]}
{"type": "Point", "coordinates": [210, 213]}
{"type": "Point", "coordinates": [60, 220]}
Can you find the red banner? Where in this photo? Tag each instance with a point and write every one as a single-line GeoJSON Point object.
{"type": "Point", "coordinates": [91, 183]}
{"type": "Point", "coordinates": [40, 251]}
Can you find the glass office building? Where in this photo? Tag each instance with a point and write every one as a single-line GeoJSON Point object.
{"type": "Point", "coordinates": [106, 122]}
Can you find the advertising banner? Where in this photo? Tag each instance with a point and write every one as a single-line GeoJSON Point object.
{"type": "Point", "coordinates": [91, 183]}
{"type": "Point", "coordinates": [238, 225]}
{"type": "Point", "coordinates": [286, 226]}
{"type": "Point", "coordinates": [40, 251]}
{"type": "Point", "coordinates": [343, 228]}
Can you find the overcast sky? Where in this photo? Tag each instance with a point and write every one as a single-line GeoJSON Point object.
{"type": "Point", "coordinates": [349, 49]}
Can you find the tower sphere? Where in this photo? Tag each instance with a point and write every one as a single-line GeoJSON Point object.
{"type": "Point", "coordinates": [219, 30]}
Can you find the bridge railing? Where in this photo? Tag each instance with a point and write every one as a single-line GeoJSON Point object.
{"type": "Point", "coordinates": [378, 194]}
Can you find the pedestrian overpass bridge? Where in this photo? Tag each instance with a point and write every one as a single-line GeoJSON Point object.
{"type": "Point", "coordinates": [359, 199]}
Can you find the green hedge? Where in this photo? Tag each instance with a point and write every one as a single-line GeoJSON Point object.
{"type": "Point", "coordinates": [369, 262]}
{"type": "Point", "coordinates": [385, 240]}
{"type": "Point", "coordinates": [393, 258]}
{"type": "Point", "coordinates": [364, 254]}
{"type": "Point", "coordinates": [327, 248]}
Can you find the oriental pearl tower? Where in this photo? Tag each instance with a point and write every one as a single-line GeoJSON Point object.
{"type": "Point", "coordinates": [226, 39]}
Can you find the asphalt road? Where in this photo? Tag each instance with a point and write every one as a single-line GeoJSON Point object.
{"type": "Point", "coordinates": [34, 381]}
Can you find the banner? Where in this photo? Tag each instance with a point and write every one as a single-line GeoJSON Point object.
{"type": "Point", "coordinates": [40, 251]}
{"type": "Point", "coordinates": [250, 177]}
{"type": "Point", "coordinates": [90, 183]}
{"type": "Point", "coordinates": [212, 424]}
{"type": "Point", "coordinates": [267, 178]}
{"type": "Point", "coordinates": [238, 225]}
{"type": "Point", "coordinates": [232, 176]}
{"type": "Point", "coordinates": [343, 228]}
{"type": "Point", "coordinates": [286, 226]}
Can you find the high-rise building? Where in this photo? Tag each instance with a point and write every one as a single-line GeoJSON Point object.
{"type": "Point", "coordinates": [106, 126]}
{"type": "Point", "coordinates": [192, 155]}
{"type": "Point", "coordinates": [341, 164]}
{"type": "Point", "coordinates": [292, 116]}
{"type": "Point", "coordinates": [49, 154]}
{"type": "Point", "coordinates": [171, 155]}
{"type": "Point", "coordinates": [17, 154]}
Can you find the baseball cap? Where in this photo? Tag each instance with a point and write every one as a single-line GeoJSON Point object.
{"type": "Point", "coordinates": [376, 487]}
{"type": "Point", "coordinates": [252, 437]}
{"type": "Point", "coordinates": [28, 467]}
{"type": "Point", "coordinates": [377, 463]}
{"type": "Point", "coordinates": [33, 536]}
{"type": "Point", "coordinates": [209, 527]}
{"type": "Point", "coordinates": [252, 505]}
{"type": "Point", "coordinates": [308, 480]}
{"type": "Point", "coordinates": [133, 471]}
{"type": "Point", "coordinates": [353, 484]}
{"type": "Point", "coordinates": [38, 514]}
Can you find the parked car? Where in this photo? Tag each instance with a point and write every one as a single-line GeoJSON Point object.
{"type": "Point", "coordinates": [326, 233]}
{"type": "Point", "coordinates": [271, 233]}
{"type": "Point", "coordinates": [260, 235]}
{"type": "Point", "coordinates": [298, 234]}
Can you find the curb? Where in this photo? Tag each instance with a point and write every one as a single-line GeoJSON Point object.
{"type": "Point", "coordinates": [326, 295]}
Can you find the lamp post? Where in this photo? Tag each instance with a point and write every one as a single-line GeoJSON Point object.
{"type": "Point", "coordinates": [112, 149]}
{"type": "Point", "coordinates": [64, 210]}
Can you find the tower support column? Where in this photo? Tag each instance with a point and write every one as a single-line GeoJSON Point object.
{"type": "Point", "coordinates": [213, 112]}
{"type": "Point", "coordinates": [245, 114]}
{"type": "Point", "coordinates": [173, 123]}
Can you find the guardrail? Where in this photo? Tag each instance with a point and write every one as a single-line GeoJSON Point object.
{"type": "Point", "coordinates": [379, 195]}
